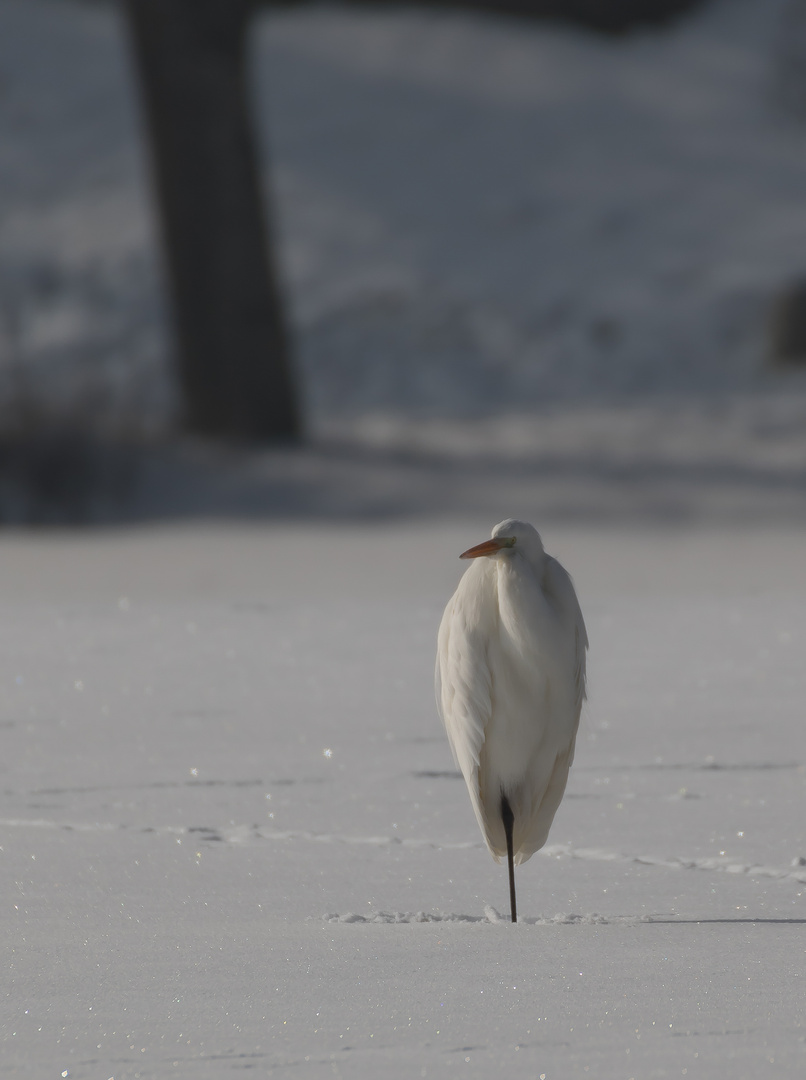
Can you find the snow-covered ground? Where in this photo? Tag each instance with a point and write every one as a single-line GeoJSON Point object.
{"type": "Point", "coordinates": [529, 270]}
{"type": "Point", "coordinates": [233, 837]}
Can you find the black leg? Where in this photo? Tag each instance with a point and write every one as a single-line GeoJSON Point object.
{"type": "Point", "coordinates": [508, 819]}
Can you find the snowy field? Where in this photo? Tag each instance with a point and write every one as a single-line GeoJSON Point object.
{"type": "Point", "coordinates": [529, 274]}
{"type": "Point", "coordinates": [233, 838]}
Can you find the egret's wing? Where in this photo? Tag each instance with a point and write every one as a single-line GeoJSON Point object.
{"type": "Point", "coordinates": [532, 826]}
{"type": "Point", "coordinates": [532, 833]}
{"type": "Point", "coordinates": [463, 677]}
{"type": "Point", "coordinates": [561, 595]}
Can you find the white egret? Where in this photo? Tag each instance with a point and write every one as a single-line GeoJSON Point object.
{"type": "Point", "coordinates": [510, 681]}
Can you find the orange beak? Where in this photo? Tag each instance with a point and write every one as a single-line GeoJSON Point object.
{"type": "Point", "coordinates": [489, 547]}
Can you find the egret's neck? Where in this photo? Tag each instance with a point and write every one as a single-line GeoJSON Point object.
{"type": "Point", "coordinates": [521, 602]}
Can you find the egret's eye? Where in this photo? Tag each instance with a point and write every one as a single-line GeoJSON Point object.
{"type": "Point", "coordinates": [507, 541]}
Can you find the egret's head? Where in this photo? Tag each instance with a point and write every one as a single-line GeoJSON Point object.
{"type": "Point", "coordinates": [510, 535]}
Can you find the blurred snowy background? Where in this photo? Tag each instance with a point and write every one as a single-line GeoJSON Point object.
{"type": "Point", "coordinates": [496, 238]}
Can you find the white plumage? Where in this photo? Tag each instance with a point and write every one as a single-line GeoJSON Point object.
{"type": "Point", "coordinates": [510, 681]}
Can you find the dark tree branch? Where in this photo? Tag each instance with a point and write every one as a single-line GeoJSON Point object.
{"type": "Point", "coordinates": [606, 16]}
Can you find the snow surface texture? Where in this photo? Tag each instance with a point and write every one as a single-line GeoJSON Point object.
{"type": "Point", "coordinates": [476, 216]}
{"type": "Point", "coordinates": [233, 836]}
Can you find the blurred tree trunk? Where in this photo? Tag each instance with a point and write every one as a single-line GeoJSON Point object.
{"type": "Point", "coordinates": [232, 345]}
{"type": "Point", "coordinates": [788, 326]}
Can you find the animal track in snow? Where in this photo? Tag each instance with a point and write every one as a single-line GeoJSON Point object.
{"type": "Point", "coordinates": [244, 834]}
{"type": "Point", "coordinates": [491, 915]}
